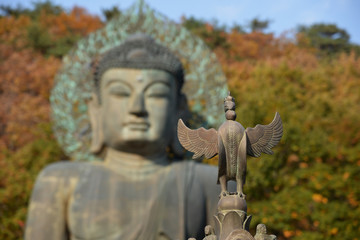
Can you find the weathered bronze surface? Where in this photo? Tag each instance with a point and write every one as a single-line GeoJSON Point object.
{"type": "Point", "coordinates": [73, 85]}
{"type": "Point", "coordinates": [232, 142]}
{"type": "Point", "coordinates": [136, 192]}
{"type": "Point", "coordinates": [261, 233]}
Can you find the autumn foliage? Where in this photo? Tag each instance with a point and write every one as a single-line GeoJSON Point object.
{"type": "Point", "coordinates": [307, 190]}
{"type": "Point", "coordinates": [30, 47]}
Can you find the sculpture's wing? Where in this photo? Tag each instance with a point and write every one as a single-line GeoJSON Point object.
{"type": "Point", "coordinates": [262, 138]}
{"type": "Point", "coordinates": [202, 142]}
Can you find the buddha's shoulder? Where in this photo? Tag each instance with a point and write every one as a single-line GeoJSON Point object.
{"type": "Point", "coordinates": [206, 168]}
{"type": "Point", "coordinates": [195, 167]}
{"type": "Point", "coordinates": [69, 169]}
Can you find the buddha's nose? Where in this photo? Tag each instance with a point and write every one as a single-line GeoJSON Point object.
{"type": "Point", "coordinates": [137, 105]}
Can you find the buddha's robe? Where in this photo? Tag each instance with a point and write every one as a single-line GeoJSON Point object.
{"type": "Point", "coordinates": [94, 201]}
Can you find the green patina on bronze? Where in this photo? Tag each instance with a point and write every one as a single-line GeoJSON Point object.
{"type": "Point", "coordinates": [204, 79]}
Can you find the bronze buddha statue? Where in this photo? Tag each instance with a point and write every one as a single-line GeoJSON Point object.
{"type": "Point", "coordinates": [136, 192]}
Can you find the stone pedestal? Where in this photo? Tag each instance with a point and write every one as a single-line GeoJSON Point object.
{"type": "Point", "coordinates": [232, 222]}
{"type": "Point", "coordinates": [231, 216]}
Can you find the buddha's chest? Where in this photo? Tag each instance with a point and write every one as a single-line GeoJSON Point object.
{"type": "Point", "coordinates": [107, 206]}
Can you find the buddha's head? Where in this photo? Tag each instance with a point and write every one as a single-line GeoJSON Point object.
{"type": "Point", "coordinates": [137, 98]}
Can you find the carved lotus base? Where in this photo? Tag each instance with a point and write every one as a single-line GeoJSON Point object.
{"type": "Point", "coordinates": [227, 221]}
{"type": "Point", "coordinates": [231, 216]}
{"type": "Point", "coordinates": [232, 222]}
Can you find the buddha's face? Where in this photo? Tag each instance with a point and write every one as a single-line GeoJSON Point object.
{"type": "Point", "coordinates": [138, 109]}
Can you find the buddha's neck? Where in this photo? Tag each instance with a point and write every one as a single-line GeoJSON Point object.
{"type": "Point", "coordinates": [126, 161]}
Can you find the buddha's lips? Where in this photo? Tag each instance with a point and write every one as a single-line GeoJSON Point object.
{"type": "Point", "coordinates": [137, 125]}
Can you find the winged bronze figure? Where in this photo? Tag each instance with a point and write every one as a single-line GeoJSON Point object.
{"type": "Point", "coordinates": [232, 142]}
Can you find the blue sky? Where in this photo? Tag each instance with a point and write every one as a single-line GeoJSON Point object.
{"type": "Point", "coordinates": [285, 15]}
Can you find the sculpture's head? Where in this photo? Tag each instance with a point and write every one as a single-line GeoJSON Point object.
{"type": "Point", "coordinates": [138, 98]}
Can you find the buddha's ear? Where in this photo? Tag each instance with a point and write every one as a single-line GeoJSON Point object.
{"type": "Point", "coordinates": [183, 113]}
{"type": "Point", "coordinates": [95, 114]}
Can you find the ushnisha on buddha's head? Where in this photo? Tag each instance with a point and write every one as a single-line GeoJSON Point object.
{"type": "Point", "coordinates": [137, 98]}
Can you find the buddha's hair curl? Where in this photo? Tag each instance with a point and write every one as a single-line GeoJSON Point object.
{"type": "Point", "coordinates": [140, 51]}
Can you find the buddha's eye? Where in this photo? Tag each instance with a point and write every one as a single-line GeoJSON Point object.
{"type": "Point", "coordinates": [158, 90]}
{"type": "Point", "coordinates": [120, 90]}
